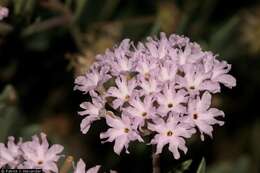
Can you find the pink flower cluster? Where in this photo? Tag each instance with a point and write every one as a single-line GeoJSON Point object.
{"type": "Point", "coordinates": [35, 154]}
{"type": "Point", "coordinates": [162, 88]}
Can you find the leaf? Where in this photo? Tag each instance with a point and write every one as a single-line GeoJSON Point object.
{"type": "Point", "coordinates": [80, 6]}
{"type": "Point", "coordinates": [18, 6]}
{"type": "Point", "coordinates": [186, 164]}
{"type": "Point", "coordinates": [108, 8]}
{"type": "Point", "coordinates": [202, 166]}
{"type": "Point", "coordinates": [29, 6]}
{"type": "Point", "coordinates": [223, 36]}
{"type": "Point", "coordinates": [9, 114]}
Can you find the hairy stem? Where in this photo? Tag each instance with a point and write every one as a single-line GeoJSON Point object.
{"type": "Point", "coordinates": [156, 161]}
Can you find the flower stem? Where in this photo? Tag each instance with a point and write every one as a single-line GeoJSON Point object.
{"type": "Point", "coordinates": [156, 161]}
{"type": "Point", "coordinates": [66, 165]}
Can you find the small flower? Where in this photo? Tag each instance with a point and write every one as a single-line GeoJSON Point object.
{"type": "Point", "coordinates": [4, 12]}
{"type": "Point", "coordinates": [195, 79]}
{"type": "Point", "coordinates": [121, 63]}
{"type": "Point", "coordinates": [10, 155]}
{"type": "Point", "coordinates": [219, 74]}
{"type": "Point", "coordinates": [192, 53]}
{"type": "Point", "coordinates": [170, 100]}
{"type": "Point", "coordinates": [202, 116]}
{"type": "Point", "coordinates": [148, 87]}
{"type": "Point", "coordinates": [178, 41]}
{"type": "Point", "coordinates": [90, 81]}
{"type": "Point", "coordinates": [158, 49]}
{"type": "Point", "coordinates": [141, 110]}
{"type": "Point", "coordinates": [121, 132]}
{"type": "Point", "coordinates": [122, 92]}
{"type": "Point", "coordinates": [166, 72]}
{"type": "Point", "coordinates": [172, 132]}
{"type": "Point", "coordinates": [81, 168]}
{"type": "Point", "coordinates": [145, 66]}
{"type": "Point", "coordinates": [92, 110]}
{"type": "Point", "coordinates": [38, 155]}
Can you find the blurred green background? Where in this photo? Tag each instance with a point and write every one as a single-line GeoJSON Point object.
{"type": "Point", "coordinates": [44, 44]}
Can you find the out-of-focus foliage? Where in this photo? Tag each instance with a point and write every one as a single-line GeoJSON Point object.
{"type": "Point", "coordinates": [44, 44]}
{"type": "Point", "coordinates": [8, 112]}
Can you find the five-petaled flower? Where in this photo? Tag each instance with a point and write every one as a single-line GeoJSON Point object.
{"type": "Point", "coordinates": [202, 116]}
{"type": "Point", "coordinates": [38, 154]}
{"type": "Point", "coordinates": [172, 132]}
{"type": "Point", "coordinates": [121, 131]}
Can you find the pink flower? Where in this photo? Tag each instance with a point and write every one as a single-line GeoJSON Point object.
{"type": "Point", "coordinates": [10, 155]}
{"type": "Point", "coordinates": [171, 100]}
{"type": "Point", "coordinates": [90, 81]}
{"type": "Point", "coordinates": [145, 66]}
{"type": "Point", "coordinates": [195, 79]}
{"type": "Point", "coordinates": [121, 63]}
{"type": "Point", "coordinates": [219, 74]}
{"type": "Point", "coordinates": [121, 132]}
{"type": "Point", "coordinates": [158, 49]}
{"type": "Point", "coordinates": [192, 53]}
{"type": "Point", "coordinates": [166, 71]}
{"type": "Point", "coordinates": [38, 155]}
{"type": "Point", "coordinates": [122, 92]}
{"type": "Point", "coordinates": [141, 110]}
{"type": "Point", "coordinates": [148, 86]}
{"type": "Point", "coordinates": [178, 41]}
{"type": "Point", "coordinates": [81, 168]}
{"type": "Point", "coordinates": [92, 110]}
{"type": "Point", "coordinates": [202, 116]}
{"type": "Point", "coordinates": [172, 132]}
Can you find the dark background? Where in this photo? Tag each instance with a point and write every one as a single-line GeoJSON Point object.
{"type": "Point", "coordinates": [44, 44]}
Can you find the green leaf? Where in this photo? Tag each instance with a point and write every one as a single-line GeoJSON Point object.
{"type": "Point", "coordinates": [9, 114]}
{"type": "Point", "coordinates": [202, 166]}
{"type": "Point", "coordinates": [29, 6]}
{"type": "Point", "coordinates": [224, 36]}
{"type": "Point", "coordinates": [186, 164]}
{"type": "Point", "coordinates": [80, 6]}
{"type": "Point", "coordinates": [18, 6]}
{"type": "Point", "coordinates": [108, 9]}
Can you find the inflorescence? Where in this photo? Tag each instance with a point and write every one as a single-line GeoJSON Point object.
{"type": "Point", "coordinates": [36, 154]}
{"type": "Point", "coordinates": [161, 88]}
